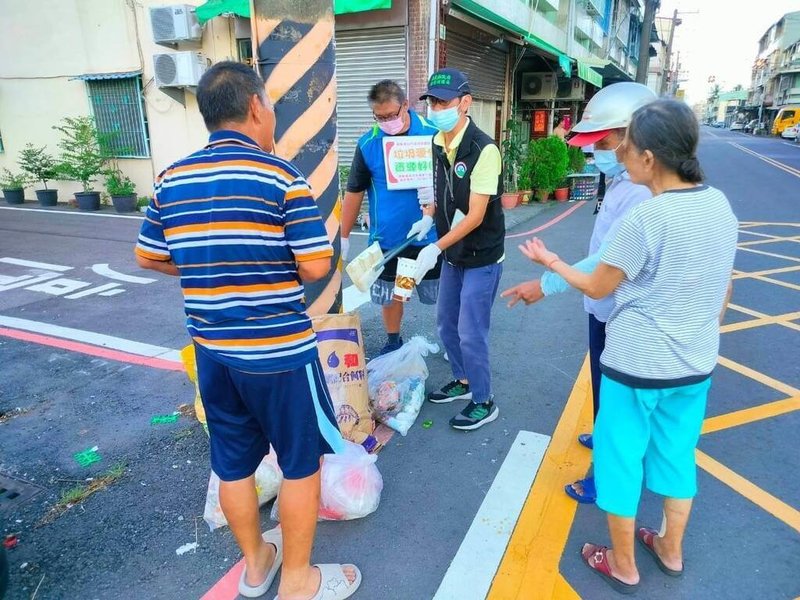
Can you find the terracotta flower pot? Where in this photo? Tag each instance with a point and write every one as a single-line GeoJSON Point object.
{"type": "Point", "coordinates": [542, 195]}
{"type": "Point", "coordinates": [562, 194]}
{"type": "Point", "coordinates": [510, 199]}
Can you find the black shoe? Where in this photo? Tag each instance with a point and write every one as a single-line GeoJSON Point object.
{"type": "Point", "coordinates": [455, 390]}
{"type": "Point", "coordinates": [390, 347]}
{"type": "Point", "coordinates": [475, 416]}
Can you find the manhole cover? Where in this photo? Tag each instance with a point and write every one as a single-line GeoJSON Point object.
{"type": "Point", "coordinates": [14, 492]}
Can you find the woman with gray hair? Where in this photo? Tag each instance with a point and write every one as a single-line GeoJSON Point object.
{"type": "Point", "coordinates": [669, 267]}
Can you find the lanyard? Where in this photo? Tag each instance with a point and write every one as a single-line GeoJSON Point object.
{"type": "Point", "coordinates": [449, 190]}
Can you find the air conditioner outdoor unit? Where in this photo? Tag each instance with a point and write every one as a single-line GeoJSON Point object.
{"type": "Point", "coordinates": [538, 86]}
{"type": "Point", "coordinates": [178, 69]}
{"type": "Point", "coordinates": [591, 7]}
{"type": "Point", "coordinates": [174, 23]}
{"type": "Point", "coordinates": [570, 89]}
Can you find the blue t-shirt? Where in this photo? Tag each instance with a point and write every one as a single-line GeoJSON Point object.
{"type": "Point", "coordinates": [391, 213]}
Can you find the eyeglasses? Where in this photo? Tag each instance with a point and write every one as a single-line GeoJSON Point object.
{"type": "Point", "coordinates": [387, 118]}
{"type": "Point", "coordinates": [439, 103]}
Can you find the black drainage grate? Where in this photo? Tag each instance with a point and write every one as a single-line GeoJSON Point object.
{"type": "Point", "coordinates": [14, 492]}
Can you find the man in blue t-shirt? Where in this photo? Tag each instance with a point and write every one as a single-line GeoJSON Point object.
{"type": "Point", "coordinates": [393, 214]}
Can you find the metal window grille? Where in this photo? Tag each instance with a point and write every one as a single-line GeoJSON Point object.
{"type": "Point", "coordinates": [118, 107]}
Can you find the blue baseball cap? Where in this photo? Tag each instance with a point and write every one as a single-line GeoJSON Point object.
{"type": "Point", "coordinates": [447, 84]}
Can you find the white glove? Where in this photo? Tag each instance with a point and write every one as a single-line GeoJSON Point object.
{"type": "Point", "coordinates": [425, 196]}
{"type": "Point", "coordinates": [426, 260]}
{"type": "Point", "coordinates": [345, 245]}
{"type": "Point", "coordinates": [421, 228]}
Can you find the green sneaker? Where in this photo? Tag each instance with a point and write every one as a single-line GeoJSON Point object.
{"type": "Point", "coordinates": [475, 416]}
{"type": "Point", "coordinates": [455, 390]}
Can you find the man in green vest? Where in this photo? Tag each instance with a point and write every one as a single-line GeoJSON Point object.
{"type": "Point", "coordinates": [471, 229]}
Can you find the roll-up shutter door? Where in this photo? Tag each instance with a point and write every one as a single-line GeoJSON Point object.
{"type": "Point", "coordinates": [484, 65]}
{"type": "Point", "coordinates": [363, 58]}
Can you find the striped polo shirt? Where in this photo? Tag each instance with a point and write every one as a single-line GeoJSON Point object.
{"type": "Point", "coordinates": [236, 220]}
{"type": "Point", "coordinates": [677, 253]}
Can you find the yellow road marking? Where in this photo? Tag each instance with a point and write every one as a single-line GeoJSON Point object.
{"type": "Point", "coordinates": [759, 377]}
{"type": "Point", "coordinates": [768, 160]}
{"type": "Point", "coordinates": [746, 274]}
{"type": "Point", "coordinates": [772, 240]}
{"type": "Point", "coordinates": [529, 568]}
{"type": "Point", "coordinates": [747, 311]}
{"type": "Point", "coordinates": [563, 590]}
{"type": "Point", "coordinates": [783, 256]}
{"type": "Point", "coordinates": [765, 224]}
{"type": "Point", "coordinates": [785, 284]}
{"type": "Point", "coordinates": [757, 233]}
{"type": "Point", "coordinates": [749, 490]}
{"type": "Point", "coordinates": [760, 322]}
{"type": "Point", "coordinates": [751, 415]}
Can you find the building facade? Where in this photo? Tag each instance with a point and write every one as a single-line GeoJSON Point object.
{"type": "Point", "coordinates": [114, 60]}
{"type": "Point", "coordinates": [775, 81]}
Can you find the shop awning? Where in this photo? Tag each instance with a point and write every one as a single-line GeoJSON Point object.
{"type": "Point", "coordinates": [587, 73]}
{"type": "Point", "coordinates": [341, 7]}
{"type": "Point", "coordinates": [98, 76]}
{"type": "Point", "coordinates": [215, 8]}
{"type": "Point", "coordinates": [487, 15]}
{"type": "Point", "coordinates": [609, 72]}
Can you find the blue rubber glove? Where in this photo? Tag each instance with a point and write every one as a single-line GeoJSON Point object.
{"type": "Point", "coordinates": [553, 283]}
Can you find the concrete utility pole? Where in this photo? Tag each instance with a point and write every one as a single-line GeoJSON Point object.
{"type": "Point", "coordinates": [667, 66]}
{"type": "Point", "coordinates": [295, 56]}
{"type": "Point", "coordinates": [650, 7]}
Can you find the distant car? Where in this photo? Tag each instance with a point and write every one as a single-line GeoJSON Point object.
{"type": "Point", "coordinates": [718, 124]}
{"type": "Point", "coordinates": [753, 126]}
{"type": "Point", "coordinates": [737, 126]}
{"type": "Point", "coordinates": [790, 133]}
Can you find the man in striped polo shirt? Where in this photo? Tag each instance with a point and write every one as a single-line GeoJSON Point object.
{"type": "Point", "coordinates": [240, 227]}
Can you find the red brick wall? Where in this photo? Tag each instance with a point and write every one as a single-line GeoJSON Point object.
{"type": "Point", "coordinates": [418, 36]}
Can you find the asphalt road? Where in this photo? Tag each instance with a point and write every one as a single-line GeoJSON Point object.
{"type": "Point", "coordinates": [122, 541]}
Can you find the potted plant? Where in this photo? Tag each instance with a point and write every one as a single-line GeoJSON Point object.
{"type": "Point", "coordinates": [142, 203]}
{"type": "Point", "coordinates": [81, 158]}
{"type": "Point", "coordinates": [577, 162]}
{"type": "Point", "coordinates": [513, 148]}
{"type": "Point", "coordinates": [14, 186]}
{"type": "Point", "coordinates": [41, 166]}
{"type": "Point", "coordinates": [526, 190]}
{"type": "Point", "coordinates": [121, 189]}
{"type": "Point", "coordinates": [548, 163]}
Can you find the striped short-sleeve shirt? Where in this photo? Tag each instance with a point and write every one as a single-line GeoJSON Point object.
{"type": "Point", "coordinates": [677, 253]}
{"type": "Point", "coordinates": [236, 220]}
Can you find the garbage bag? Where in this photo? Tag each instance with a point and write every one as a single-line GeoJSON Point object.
{"type": "Point", "coordinates": [351, 485]}
{"type": "Point", "coordinates": [396, 383]}
{"type": "Point", "coordinates": [268, 482]}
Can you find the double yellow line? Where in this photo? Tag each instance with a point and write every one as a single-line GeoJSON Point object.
{"type": "Point", "coordinates": [766, 159]}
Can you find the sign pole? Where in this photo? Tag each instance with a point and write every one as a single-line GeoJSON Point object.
{"type": "Point", "coordinates": [295, 52]}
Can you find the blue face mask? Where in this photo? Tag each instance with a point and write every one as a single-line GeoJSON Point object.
{"type": "Point", "coordinates": [606, 161]}
{"type": "Point", "coordinates": [444, 120]}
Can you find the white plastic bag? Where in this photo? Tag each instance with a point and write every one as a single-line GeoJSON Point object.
{"type": "Point", "coordinates": [351, 485]}
{"type": "Point", "coordinates": [268, 481]}
{"type": "Point", "coordinates": [397, 383]}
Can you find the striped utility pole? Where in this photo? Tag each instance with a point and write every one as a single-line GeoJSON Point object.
{"type": "Point", "coordinates": [294, 50]}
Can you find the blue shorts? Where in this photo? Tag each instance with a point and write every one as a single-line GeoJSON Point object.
{"type": "Point", "coordinates": [646, 434]}
{"type": "Point", "coordinates": [247, 412]}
